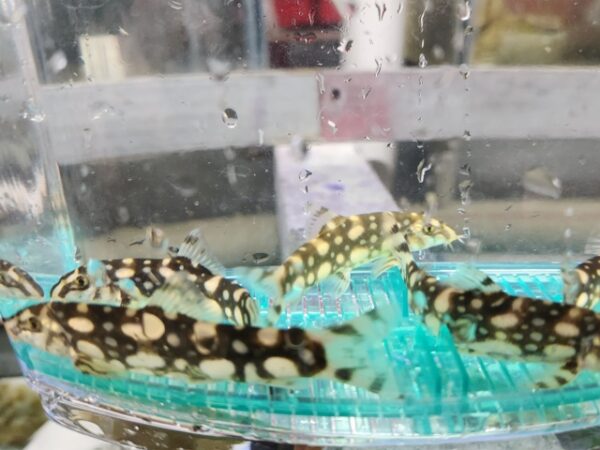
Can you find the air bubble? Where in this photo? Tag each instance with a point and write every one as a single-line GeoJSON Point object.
{"type": "Point", "coordinates": [423, 61]}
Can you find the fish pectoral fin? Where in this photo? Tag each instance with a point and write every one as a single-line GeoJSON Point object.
{"type": "Point", "coordinates": [179, 294]}
{"type": "Point", "coordinates": [195, 247]}
{"type": "Point", "coordinates": [558, 375]}
{"type": "Point", "coordinates": [464, 329]}
{"type": "Point", "coordinates": [468, 277]}
{"type": "Point", "coordinates": [337, 284]}
{"type": "Point", "coordinates": [382, 265]}
{"type": "Point", "coordinates": [319, 219]}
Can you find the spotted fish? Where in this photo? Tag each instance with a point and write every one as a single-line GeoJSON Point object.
{"type": "Point", "coordinates": [484, 320]}
{"type": "Point", "coordinates": [133, 281]}
{"type": "Point", "coordinates": [343, 243]}
{"type": "Point", "coordinates": [16, 283]}
{"type": "Point", "coordinates": [582, 285]}
{"type": "Point", "coordinates": [113, 341]}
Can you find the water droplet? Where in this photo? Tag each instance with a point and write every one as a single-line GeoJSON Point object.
{"type": "Point", "coordinates": [176, 5]}
{"type": "Point", "coordinates": [465, 11]}
{"type": "Point", "coordinates": [123, 31]}
{"type": "Point", "coordinates": [463, 69]}
{"type": "Point", "coordinates": [466, 232]}
{"type": "Point", "coordinates": [58, 61]}
{"type": "Point", "coordinates": [261, 137]}
{"type": "Point", "coordinates": [464, 187]}
{"type": "Point", "coordinates": [260, 257]}
{"type": "Point", "coordinates": [422, 61]}
{"type": "Point", "coordinates": [467, 135]}
{"type": "Point", "coordinates": [461, 211]}
{"type": "Point", "coordinates": [345, 45]}
{"type": "Point", "coordinates": [366, 92]}
{"type": "Point", "coordinates": [507, 227]}
{"type": "Point", "coordinates": [320, 82]}
{"type": "Point", "coordinates": [304, 174]}
{"type": "Point", "coordinates": [102, 109]}
{"type": "Point", "coordinates": [30, 112]}
{"type": "Point", "coordinates": [422, 169]}
{"type": "Point", "coordinates": [379, 64]}
{"type": "Point", "coordinates": [539, 181]}
{"type": "Point", "coordinates": [333, 126]}
{"type": "Point", "coordinates": [381, 9]}
{"type": "Point", "coordinates": [229, 117]}
{"type": "Point", "coordinates": [465, 169]}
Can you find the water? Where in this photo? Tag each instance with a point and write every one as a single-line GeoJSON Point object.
{"type": "Point", "coordinates": [435, 378]}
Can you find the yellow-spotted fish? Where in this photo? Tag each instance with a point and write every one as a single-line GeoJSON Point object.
{"type": "Point", "coordinates": [113, 341]}
{"type": "Point", "coordinates": [344, 243]}
{"type": "Point", "coordinates": [204, 295]}
{"type": "Point", "coordinates": [582, 285]}
{"type": "Point", "coordinates": [484, 320]}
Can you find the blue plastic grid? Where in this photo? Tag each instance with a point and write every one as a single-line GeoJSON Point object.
{"type": "Point", "coordinates": [448, 396]}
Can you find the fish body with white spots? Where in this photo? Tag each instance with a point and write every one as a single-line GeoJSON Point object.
{"type": "Point", "coordinates": [582, 285]}
{"type": "Point", "coordinates": [133, 281]}
{"type": "Point", "coordinates": [485, 320]}
{"type": "Point", "coordinates": [113, 341]}
{"type": "Point", "coordinates": [342, 244]}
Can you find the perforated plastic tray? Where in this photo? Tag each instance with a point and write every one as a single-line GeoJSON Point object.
{"type": "Point", "coordinates": [448, 396]}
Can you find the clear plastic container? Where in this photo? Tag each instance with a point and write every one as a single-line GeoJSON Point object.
{"type": "Point", "coordinates": [122, 118]}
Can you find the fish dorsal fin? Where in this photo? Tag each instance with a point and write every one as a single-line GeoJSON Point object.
{"type": "Point", "coordinates": [180, 294]}
{"type": "Point", "coordinates": [195, 248]}
{"type": "Point", "coordinates": [317, 221]}
{"type": "Point", "coordinates": [468, 277]}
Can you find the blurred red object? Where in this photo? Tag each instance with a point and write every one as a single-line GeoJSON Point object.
{"type": "Point", "coordinates": [293, 13]}
{"type": "Point", "coordinates": [306, 13]}
{"type": "Point", "coordinates": [327, 13]}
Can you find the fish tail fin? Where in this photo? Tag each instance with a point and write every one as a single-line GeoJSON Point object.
{"type": "Point", "coordinates": [350, 348]}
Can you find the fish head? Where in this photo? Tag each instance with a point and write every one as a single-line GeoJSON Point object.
{"type": "Point", "coordinates": [88, 283]}
{"type": "Point", "coordinates": [31, 326]}
{"type": "Point", "coordinates": [16, 283]}
{"type": "Point", "coordinates": [425, 232]}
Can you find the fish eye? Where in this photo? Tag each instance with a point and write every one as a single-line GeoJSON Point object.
{"type": "Point", "coordinates": [34, 324]}
{"type": "Point", "coordinates": [428, 229]}
{"type": "Point", "coordinates": [81, 282]}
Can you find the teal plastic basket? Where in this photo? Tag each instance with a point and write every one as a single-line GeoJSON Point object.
{"type": "Point", "coordinates": [449, 396]}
